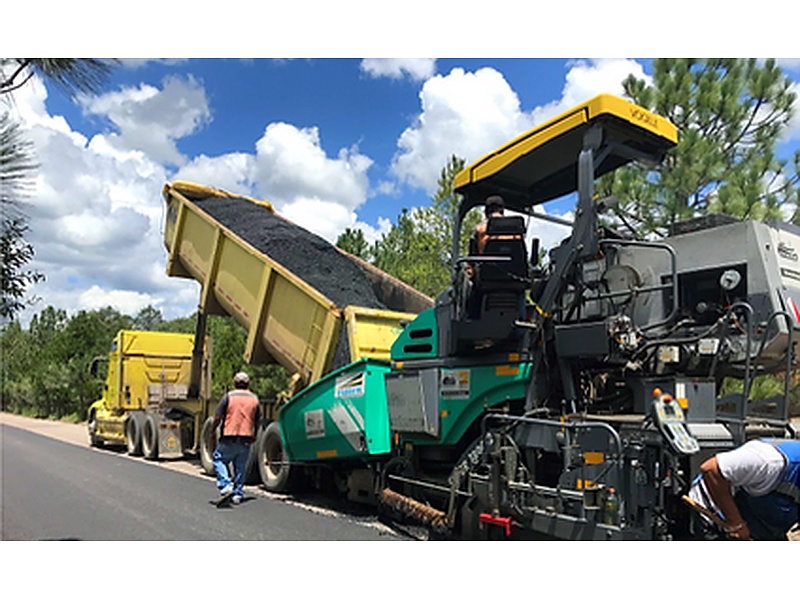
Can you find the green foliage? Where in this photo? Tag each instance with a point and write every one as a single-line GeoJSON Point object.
{"type": "Point", "coordinates": [418, 249]}
{"type": "Point", "coordinates": [354, 242]}
{"type": "Point", "coordinates": [14, 278]}
{"type": "Point", "coordinates": [148, 319]}
{"type": "Point", "coordinates": [17, 170]}
{"type": "Point", "coordinates": [229, 340]}
{"type": "Point", "coordinates": [410, 251]}
{"type": "Point", "coordinates": [730, 114]}
{"type": "Point", "coordinates": [73, 76]}
{"type": "Point", "coordinates": [46, 368]}
{"type": "Point", "coordinates": [17, 164]}
{"type": "Point", "coordinates": [767, 386]}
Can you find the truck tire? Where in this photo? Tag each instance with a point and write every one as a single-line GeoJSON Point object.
{"type": "Point", "coordinates": [150, 438]}
{"type": "Point", "coordinates": [275, 471]}
{"type": "Point", "coordinates": [94, 440]}
{"type": "Point", "coordinates": [133, 434]}
{"type": "Point", "coordinates": [252, 473]}
{"type": "Point", "coordinates": [206, 448]}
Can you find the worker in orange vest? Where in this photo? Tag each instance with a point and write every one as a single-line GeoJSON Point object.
{"type": "Point", "coordinates": [239, 414]}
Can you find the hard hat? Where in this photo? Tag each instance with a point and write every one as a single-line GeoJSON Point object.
{"type": "Point", "coordinates": [241, 377]}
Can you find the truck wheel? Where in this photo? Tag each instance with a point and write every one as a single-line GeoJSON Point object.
{"type": "Point", "coordinates": [252, 473]}
{"type": "Point", "coordinates": [206, 449]}
{"type": "Point", "coordinates": [94, 440]}
{"type": "Point", "coordinates": [150, 438]}
{"type": "Point", "coordinates": [133, 434]}
{"type": "Point", "coordinates": [275, 470]}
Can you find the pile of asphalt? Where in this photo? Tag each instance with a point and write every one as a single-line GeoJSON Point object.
{"type": "Point", "coordinates": [310, 257]}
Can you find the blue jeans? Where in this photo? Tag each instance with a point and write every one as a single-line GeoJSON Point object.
{"type": "Point", "coordinates": [768, 517]}
{"type": "Point", "coordinates": [235, 454]}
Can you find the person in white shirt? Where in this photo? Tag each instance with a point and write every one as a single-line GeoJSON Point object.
{"type": "Point", "coordinates": [755, 488]}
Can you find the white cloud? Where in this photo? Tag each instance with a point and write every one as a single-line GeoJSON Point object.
{"type": "Point", "coordinates": [418, 69]}
{"type": "Point", "coordinates": [325, 218]}
{"type": "Point", "coordinates": [292, 170]}
{"type": "Point", "coordinates": [314, 190]}
{"type": "Point", "coordinates": [126, 302]}
{"type": "Point", "coordinates": [587, 79]}
{"type": "Point", "coordinates": [470, 114]}
{"type": "Point", "coordinates": [95, 217]}
{"type": "Point", "coordinates": [550, 234]}
{"type": "Point", "coordinates": [230, 172]}
{"type": "Point", "coordinates": [466, 114]}
{"type": "Point", "coordinates": [151, 120]}
{"type": "Point", "coordinates": [291, 164]}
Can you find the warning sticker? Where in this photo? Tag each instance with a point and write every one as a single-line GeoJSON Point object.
{"type": "Point", "coordinates": [454, 384]}
{"type": "Point", "coordinates": [315, 424]}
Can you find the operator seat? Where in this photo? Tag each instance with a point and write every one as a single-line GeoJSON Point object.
{"type": "Point", "coordinates": [502, 285]}
{"type": "Point", "coordinates": [499, 286]}
{"type": "Point", "coordinates": [505, 238]}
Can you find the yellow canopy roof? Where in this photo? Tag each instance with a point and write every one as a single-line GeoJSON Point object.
{"type": "Point", "coordinates": [541, 164]}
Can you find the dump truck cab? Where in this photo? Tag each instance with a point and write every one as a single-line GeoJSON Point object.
{"type": "Point", "coordinates": [147, 404]}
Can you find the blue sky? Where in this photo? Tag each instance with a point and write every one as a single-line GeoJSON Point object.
{"type": "Point", "coordinates": [333, 143]}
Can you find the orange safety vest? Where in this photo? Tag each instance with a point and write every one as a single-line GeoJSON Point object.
{"type": "Point", "coordinates": [240, 416]}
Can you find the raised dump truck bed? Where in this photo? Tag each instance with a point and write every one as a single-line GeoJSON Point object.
{"type": "Point", "coordinates": [286, 286]}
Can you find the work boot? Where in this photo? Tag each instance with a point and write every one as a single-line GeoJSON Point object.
{"type": "Point", "coordinates": [225, 495]}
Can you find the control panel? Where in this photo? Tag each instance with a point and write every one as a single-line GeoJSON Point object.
{"type": "Point", "coordinates": [670, 420]}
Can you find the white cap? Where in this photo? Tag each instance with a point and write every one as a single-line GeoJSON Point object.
{"type": "Point", "coordinates": [241, 377]}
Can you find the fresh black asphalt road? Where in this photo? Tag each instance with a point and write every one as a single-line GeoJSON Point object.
{"type": "Point", "coordinates": [52, 490]}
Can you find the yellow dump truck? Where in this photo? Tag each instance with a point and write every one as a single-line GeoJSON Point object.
{"type": "Point", "coordinates": [303, 303]}
{"type": "Point", "coordinates": [148, 402]}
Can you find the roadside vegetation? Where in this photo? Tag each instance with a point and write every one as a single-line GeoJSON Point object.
{"type": "Point", "coordinates": [45, 368]}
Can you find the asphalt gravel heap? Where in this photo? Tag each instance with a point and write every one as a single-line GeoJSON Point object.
{"type": "Point", "coordinates": [310, 257]}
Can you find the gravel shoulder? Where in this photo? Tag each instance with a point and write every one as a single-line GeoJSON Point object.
{"type": "Point", "coordinates": [72, 433]}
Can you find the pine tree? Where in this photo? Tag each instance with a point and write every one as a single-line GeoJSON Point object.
{"type": "Point", "coordinates": [730, 114]}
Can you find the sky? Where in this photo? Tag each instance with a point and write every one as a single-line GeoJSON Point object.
{"type": "Point", "coordinates": [332, 143]}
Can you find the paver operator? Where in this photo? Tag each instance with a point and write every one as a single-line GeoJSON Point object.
{"type": "Point", "coordinates": [239, 414]}
{"type": "Point", "coordinates": [756, 487]}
